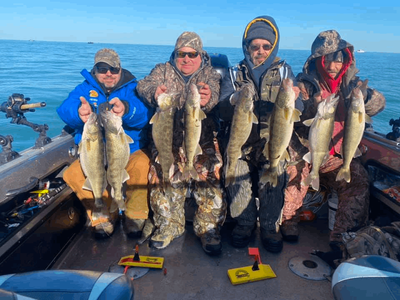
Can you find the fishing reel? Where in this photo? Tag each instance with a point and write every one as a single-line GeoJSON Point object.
{"type": "Point", "coordinates": [16, 106]}
{"type": "Point", "coordinates": [395, 134]}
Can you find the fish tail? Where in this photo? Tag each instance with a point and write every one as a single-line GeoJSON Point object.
{"type": "Point", "coordinates": [113, 207]}
{"type": "Point", "coordinates": [344, 173]}
{"type": "Point", "coordinates": [315, 183]}
{"type": "Point", "coordinates": [311, 180]}
{"type": "Point", "coordinates": [189, 172]}
{"type": "Point", "coordinates": [230, 176]}
{"type": "Point", "coordinates": [269, 176]}
{"type": "Point", "coordinates": [121, 204]}
{"type": "Point", "coordinates": [229, 179]}
{"type": "Point", "coordinates": [98, 202]}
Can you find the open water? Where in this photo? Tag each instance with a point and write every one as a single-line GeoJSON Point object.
{"type": "Point", "coordinates": [48, 71]}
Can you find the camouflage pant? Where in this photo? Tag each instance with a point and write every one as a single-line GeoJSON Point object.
{"type": "Point", "coordinates": [168, 203]}
{"type": "Point", "coordinates": [243, 206]}
{"type": "Point", "coordinates": [353, 205]}
{"type": "Point", "coordinates": [136, 192]}
{"type": "Point", "coordinates": [295, 191]}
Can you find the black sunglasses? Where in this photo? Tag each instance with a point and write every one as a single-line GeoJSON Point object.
{"type": "Point", "coordinates": [266, 47]}
{"type": "Point", "coordinates": [192, 54]}
{"type": "Point", "coordinates": [104, 70]}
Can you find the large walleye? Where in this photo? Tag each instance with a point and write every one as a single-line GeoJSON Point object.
{"type": "Point", "coordinates": [242, 123]}
{"type": "Point", "coordinates": [162, 131]}
{"type": "Point", "coordinates": [117, 151]}
{"type": "Point", "coordinates": [282, 120]}
{"type": "Point", "coordinates": [353, 132]}
{"type": "Point", "coordinates": [193, 116]}
{"type": "Point", "coordinates": [319, 137]}
{"type": "Point", "coordinates": [92, 160]}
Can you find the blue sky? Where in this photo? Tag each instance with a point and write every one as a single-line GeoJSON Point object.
{"type": "Point", "coordinates": [370, 25]}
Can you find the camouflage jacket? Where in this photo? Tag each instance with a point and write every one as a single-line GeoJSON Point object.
{"type": "Point", "coordinates": [166, 74]}
{"type": "Point", "coordinates": [310, 83]}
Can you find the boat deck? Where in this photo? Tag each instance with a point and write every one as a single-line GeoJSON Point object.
{"type": "Point", "coordinates": [189, 273]}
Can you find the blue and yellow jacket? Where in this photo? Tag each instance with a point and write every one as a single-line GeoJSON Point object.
{"type": "Point", "coordinates": [137, 115]}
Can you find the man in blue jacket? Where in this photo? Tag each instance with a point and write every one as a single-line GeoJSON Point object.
{"type": "Point", "coordinates": [108, 82]}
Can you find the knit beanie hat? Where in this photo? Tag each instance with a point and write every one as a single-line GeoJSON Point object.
{"type": "Point", "coordinates": [260, 30]}
{"type": "Point", "coordinates": [107, 56]}
{"type": "Point", "coordinates": [189, 39]}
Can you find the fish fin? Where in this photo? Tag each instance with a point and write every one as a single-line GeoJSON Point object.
{"type": "Point", "coordinates": [87, 185]}
{"type": "Point", "coordinates": [255, 119]}
{"type": "Point", "coordinates": [364, 84]}
{"type": "Point", "coordinates": [368, 119]}
{"type": "Point", "coordinates": [296, 115]}
{"type": "Point", "coordinates": [154, 118]}
{"type": "Point", "coordinates": [198, 150]}
{"type": "Point", "coordinates": [171, 171]}
{"type": "Point", "coordinates": [125, 176]}
{"type": "Point", "coordinates": [308, 122]}
{"type": "Point", "coordinates": [80, 147]}
{"type": "Point", "coordinates": [202, 115]}
{"type": "Point", "coordinates": [357, 153]}
{"type": "Point", "coordinates": [307, 157]}
{"type": "Point", "coordinates": [129, 139]}
{"type": "Point", "coordinates": [344, 173]}
{"type": "Point", "coordinates": [285, 156]}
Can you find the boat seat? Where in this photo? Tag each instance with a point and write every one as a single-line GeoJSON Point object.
{"type": "Point", "coordinates": [66, 284]}
{"type": "Point", "coordinates": [367, 277]}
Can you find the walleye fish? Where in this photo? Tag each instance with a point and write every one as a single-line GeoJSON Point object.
{"type": "Point", "coordinates": [92, 160]}
{"type": "Point", "coordinates": [117, 152]}
{"type": "Point", "coordinates": [353, 132]}
{"type": "Point", "coordinates": [319, 137]}
{"type": "Point", "coordinates": [193, 116]}
{"type": "Point", "coordinates": [162, 131]}
{"type": "Point", "coordinates": [283, 117]}
{"type": "Point", "coordinates": [242, 123]}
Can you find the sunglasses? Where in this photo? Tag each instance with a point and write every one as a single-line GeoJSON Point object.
{"type": "Point", "coordinates": [266, 47]}
{"type": "Point", "coordinates": [182, 54]}
{"type": "Point", "coordinates": [104, 70]}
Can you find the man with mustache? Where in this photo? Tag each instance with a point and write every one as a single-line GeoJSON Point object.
{"type": "Point", "coordinates": [331, 70]}
{"type": "Point", "coordinates": [264, 71]}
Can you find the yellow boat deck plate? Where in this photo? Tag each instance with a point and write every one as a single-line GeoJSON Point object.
{"type": "Point", "coordinates": [256, 272]}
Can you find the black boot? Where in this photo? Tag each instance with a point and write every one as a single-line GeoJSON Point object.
{"type": "Point", "coordinates": [290, 231]}
{"type": "Point", "coordinates": [271, 240]}
{"type": "Point", "coordinates": [211, 243]}
{"type": "Point", "coordinates": [133, 227]}
{"type": "Point", "coordinates": [241, 235]}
